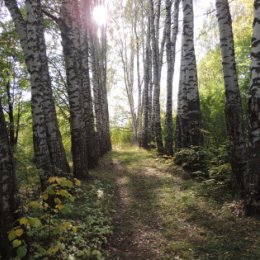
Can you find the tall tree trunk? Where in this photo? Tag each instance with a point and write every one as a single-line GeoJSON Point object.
{"type": "Point", "coordinates": [54, 139]}
{"type": "Point", "coordinates": [10, 114]}
{"type": "Point", "coordinates": [146, 133]}
{"type": "Point", "coordinates": [188, 126]}
{"type": "Point", "coordinates": [139, 84]}
{"type": "Point", "coordinates": [233, 106]}
{"type": "Point", "coordinates": [156, 82]}
{"type": "Point", "coordinates": [48, 148]}
{"type": "Point", "coordinates": [253, 177]}
{"type": "Point", "coordinates": [70, 33]}
{"type": "Point", "coordinates": [127, 59]}
{"type": "Point", "coordinates": [171, 37]}
{"type": "Point", "coordinates": [93, 151]}
{"type": "Point", "coordinates": [18, 120]}
{"type": "Point", "coordinates": [8, 202]}
{"type": "Point", "coordinates": [103, 67]}
{"type": "Point", "coordinates": [98, 49]}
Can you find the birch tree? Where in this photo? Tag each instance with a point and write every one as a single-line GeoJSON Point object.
{"type": "Point", "coordinates": [93, 151]}
{"type": "Point", "coordinates": [48, 148]}
{"type": "Point", "coordinates": [70, 33]}
{"type": "Point", "coordinates": [156, 75]}
{"type": "Point", "coordinates": [233, 106]}
{"type": "Point", "coordinates": [171, 37]}
{"type": "Point", "coordinates": [8, 202]}
{"type": "Point", "coordinates": [253, 177]}
{"type": "Point", "coordinates": [98, 52]}
{"type": "Point", "coordinates": [147, 98]}
{"type": "Point", "coordinates": [188, 111]}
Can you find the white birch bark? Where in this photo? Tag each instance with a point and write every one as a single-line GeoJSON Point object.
{"type": "Point", "coordinates": [48, 148]}
{"type": "Point", "coordinates": [233, 106]}
{"type": "Point", "coordinates": [253, 177]}
{"type": "Point", "coordinates": [171, 37]}
{"type": "Point", "coordinates": [70, 33]}
{"type": "Point", "coordinates": [188, 112]}
{"type": "Point", "coordinates": [156, 81]}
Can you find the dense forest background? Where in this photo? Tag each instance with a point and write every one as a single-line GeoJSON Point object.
{"type": "Point", "coordinates": [129, 129]}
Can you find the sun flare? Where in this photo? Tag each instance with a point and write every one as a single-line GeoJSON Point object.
{"type": "Point", "coordinates": [100, 15]}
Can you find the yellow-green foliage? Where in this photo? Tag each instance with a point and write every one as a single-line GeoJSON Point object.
{"type": "Point", "coordinates": [121, 137]}
{"type": "Point", "coordinates": [50, 230]}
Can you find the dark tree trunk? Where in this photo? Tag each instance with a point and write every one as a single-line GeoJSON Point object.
{"type": "Point", "coordinates": [10, 115]}
{"type": "Point", "coordinates": [8, 201]}
{"type": "Point", "coordinates": [93, 151]}
{"type": "Point", "coordinates": [253, 176]}
{"type": "Point", "coordinates": [146, 132]}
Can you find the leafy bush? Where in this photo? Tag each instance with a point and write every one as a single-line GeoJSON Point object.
{"type": "Point", "coordinates": [194, 160]}
{"type": "Point", "coordinates": [50, 230]}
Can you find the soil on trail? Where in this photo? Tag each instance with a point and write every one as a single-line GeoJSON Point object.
{"type": "Point", "coordinates": [159, 215]}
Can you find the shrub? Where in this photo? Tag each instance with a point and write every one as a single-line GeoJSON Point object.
{"type": "Point", "coordinates": [194, 160]}
{"type": "Point", "coordinates": [50, 230]}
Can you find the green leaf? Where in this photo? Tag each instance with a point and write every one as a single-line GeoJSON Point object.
{"type": "Point", "coordinates": [22, 251]}
{"type": "Point", "coordinates": [64, 193]}
{"type": "Point", "coordinates": [65, 209]}
{"type": "Point", "coordinates": [66, 183]}
{"type": "Point", "coordinates": [11, 235]}
{"type": "Point", "coordinates": [35, 222]}
{"type": "Point", "coordinates": [16, 243]}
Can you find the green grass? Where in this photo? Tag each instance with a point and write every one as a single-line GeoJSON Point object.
{"type": "Point", "coordinates": [157, 211]}
{"type": "Point", "coordinates": [159, 215]}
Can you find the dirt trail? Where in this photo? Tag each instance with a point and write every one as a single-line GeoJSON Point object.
{"type": "Point", "coordinates": [136, 235]}
{"type": "Point", "coordinates": [161, 216]}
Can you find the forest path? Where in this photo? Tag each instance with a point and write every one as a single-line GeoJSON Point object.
{"type": "Point", "coordinates": [158, 214]}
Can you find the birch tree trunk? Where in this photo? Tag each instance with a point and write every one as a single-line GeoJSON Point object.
{"type": "Point", "coordinates": [233, 106]}
{"type": "Point", "coordinates": [93, 151]}
{"type": "Point", "coordinates": [103, 67]}
{"type": "Point", "coordinates": [139, 83]}
{"type": "Point", "coordinates": [98, 49]}
{"type": "Point", "coordinates": [8, 202]}
{"type": "Point", "coordinates": [48, 148]}
{"type": "Point", "coordinates": [70, 33]}
{"type": "Point", "coordinates": [253, 178]}
{"type": "Point", "coordinates": [188, 111]}
{"type": "Point", "coordinates": [97, 91]}
{"type": "Point", "coordinates": [156, 81]}
{"type": "Point", "coordinates": [171, 37]}
{"type": "Point", "coordinates": [146, 132]}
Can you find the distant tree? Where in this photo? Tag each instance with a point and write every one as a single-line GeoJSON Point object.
{"type": "Point", "coordinates": [147, 98]}
{"type": "Point", "coordinates": [155, 20]}
{"type": "Point", "coordinates": [93, 149]}
{"type": "Point", "coordinates": [233, 106]}
{"type": "Point", "coordinates": [98, 61]}
{"type": "Point", "coordinates": [171, 37]}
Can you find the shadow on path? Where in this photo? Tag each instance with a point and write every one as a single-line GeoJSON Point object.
{"type": "Point", "coordinates": [155, 218]}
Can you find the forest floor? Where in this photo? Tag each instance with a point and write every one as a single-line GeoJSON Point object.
{"type": "Point", "coordinates": [159, 213]}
